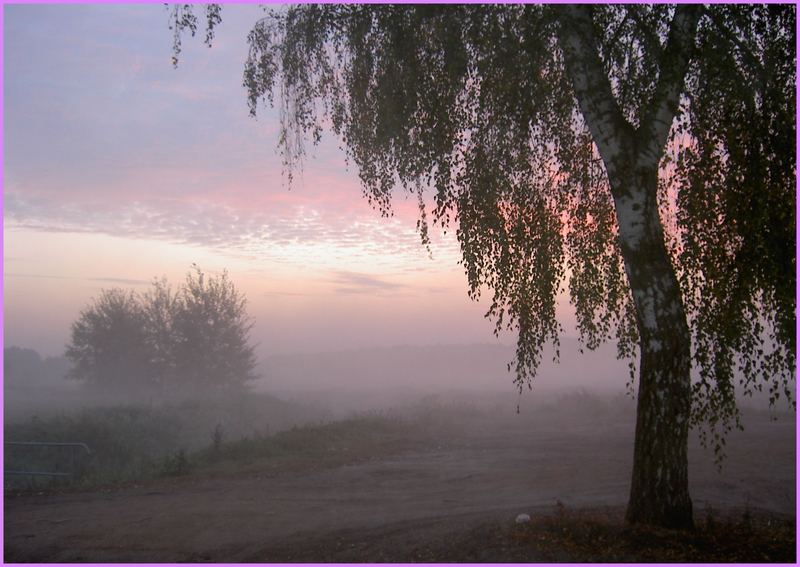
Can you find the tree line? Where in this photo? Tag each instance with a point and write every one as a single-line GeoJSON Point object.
{"type": "Point", "coordinates": [26, 369]}
{"type": "Point", "coordinates": [165, 341]}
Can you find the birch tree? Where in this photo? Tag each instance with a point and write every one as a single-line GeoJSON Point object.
{"type": "Point", "coordinates": [641, 156]}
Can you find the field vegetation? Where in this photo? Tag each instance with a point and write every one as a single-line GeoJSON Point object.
{"type": "Point", "coordinates": [135, 442]}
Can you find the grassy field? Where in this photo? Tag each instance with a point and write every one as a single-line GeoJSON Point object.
{"type": "Point", "coordinates": [130, 443]}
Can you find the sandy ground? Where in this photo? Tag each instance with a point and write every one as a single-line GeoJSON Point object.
{"type": "Point", "coordinates": [449, 484]}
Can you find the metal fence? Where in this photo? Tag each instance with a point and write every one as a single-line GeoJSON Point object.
{"type": "Point", "coordinates": [44, 459]}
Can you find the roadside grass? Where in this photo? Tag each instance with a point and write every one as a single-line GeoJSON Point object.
{"type": "Point", "coordinates": [126, 442]}
{"type": "Point", "coordinates": [735, 536]}
{"type": "Point", "coordinates": [360, 437]}
{"type": "Point", "coordinates": [135, 443]}
{"type": "Point", "coordinates": [256, 432]}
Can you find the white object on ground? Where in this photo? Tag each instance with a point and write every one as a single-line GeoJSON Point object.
{"type": "Point", "coordinates": [523, 519]}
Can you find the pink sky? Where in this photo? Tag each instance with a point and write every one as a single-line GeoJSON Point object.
{"type": "Point", "coordinates": [119, 168]}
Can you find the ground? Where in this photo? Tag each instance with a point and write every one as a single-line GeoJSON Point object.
{"type": "Point", "coordinates": [448, 494]}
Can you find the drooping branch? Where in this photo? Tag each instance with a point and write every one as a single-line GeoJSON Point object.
{"type": "Point", "coordinates": [183, 18]}
{"type": "Point", "coordinates": [747, 55]}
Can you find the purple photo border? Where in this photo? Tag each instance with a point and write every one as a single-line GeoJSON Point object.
{"type": "Point", "coordinates": [2, 151]}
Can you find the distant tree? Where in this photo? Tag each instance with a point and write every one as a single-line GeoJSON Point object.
{"type": "Point", "coordinates": [26, 368]}
{"type": "Point", "coordinates": [643, 154]}
{"type": "Point", "coordinates": [191, 341]}
{"type": "Point", "coordinates": [211, 334]}
{"type": "Point", "coordinates": [21, 366]}
{"type": "Point", "coordinates": [108, 346]}
{"type": "Point", "coordinates": [160, 306]}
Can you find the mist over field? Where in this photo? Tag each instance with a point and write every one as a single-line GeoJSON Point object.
{"type": "Point", "coordinates": [363, 443]}
{"type": "Point", "coordinates": [362, 380]}
{"type": "Point", "coordinates": [459, 382]}
{"type": "Point", "coordinates": [345, 382]}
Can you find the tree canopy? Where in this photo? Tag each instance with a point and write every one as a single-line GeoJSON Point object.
{"type": "Point", "coordinates": [163, 342]}
{"type": "Point", "coordinates": [108, 347]}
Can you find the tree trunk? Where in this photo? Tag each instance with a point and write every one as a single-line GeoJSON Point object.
{"type": "Point", "coordinates": [659, 485]}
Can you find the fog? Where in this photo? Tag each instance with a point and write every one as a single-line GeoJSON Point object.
{"type": "Point", "coordinates": [348, 381]}
{"type": "Point", "coordinates": [285, 457]}
{"type": "Point", "coordinates": [362, 446]}
{"type": "Point", "coordinates": [353, 380]}
{"type": "Point", "coordinates": [334, 385]}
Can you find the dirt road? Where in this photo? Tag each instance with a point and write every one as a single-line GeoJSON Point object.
{"type": "Point", "coordinates": [447, 485]}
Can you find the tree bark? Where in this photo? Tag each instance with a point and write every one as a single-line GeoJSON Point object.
{"type": "Point", "coordinates": [659, 485]}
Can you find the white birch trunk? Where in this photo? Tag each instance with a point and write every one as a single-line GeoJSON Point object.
{"type": "Point", "coordinates": [659, 486]}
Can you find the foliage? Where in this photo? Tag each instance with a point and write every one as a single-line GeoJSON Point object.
{"type": "Point", "coordinates": [182, 18]}
{"type": "Point", "coordinates": [211, 328]}
{"type": "Point", "coordinates": [195, 339]}
{"type": "Point", "coordinates": [108, 346]}
{"type": "Point", "coordinates": [176, 464]}
{"type": "Point", "coordinates": [160, 309]}
{"type": "Point", "coordinates": [735, 212]}
{"type": "Point", "coordinates": [217, 436]}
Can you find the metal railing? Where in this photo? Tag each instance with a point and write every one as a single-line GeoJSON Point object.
{"type": "Point", "coordinates": [54, 474]}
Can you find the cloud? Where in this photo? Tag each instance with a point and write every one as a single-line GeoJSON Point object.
{"type": "Point", "coordinates": [123, 281]}
{"type": "Point", "coordinates": [283, 294]}
{"type": "Point", "coordinates": [40, 276]}
{"type": "Point", "coordinates": [127, 146]}
{"type": "Point", "coordinates": [281, 230]}
{"type": "Point", "coordinates": [438, 289]}
{"type": "Point", "coordinates": [358, 283]}
{"type": "Point", "coordinates": [102, 279]}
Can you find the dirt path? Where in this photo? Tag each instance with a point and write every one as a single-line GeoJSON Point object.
{"type": "Point", "coordinates": [425, 493]}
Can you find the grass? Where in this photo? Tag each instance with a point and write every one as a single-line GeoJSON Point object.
{"type": "Point", "coordinates": [602, 536]}
{"type": "Point", "coordinates": [126, 443]}
{"type": "Point", "coordinates": [133, 443]}
{"type": "Point", "coordinates": [136, 443]}
{"type": "Point", "coordinates": [308, 447]}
